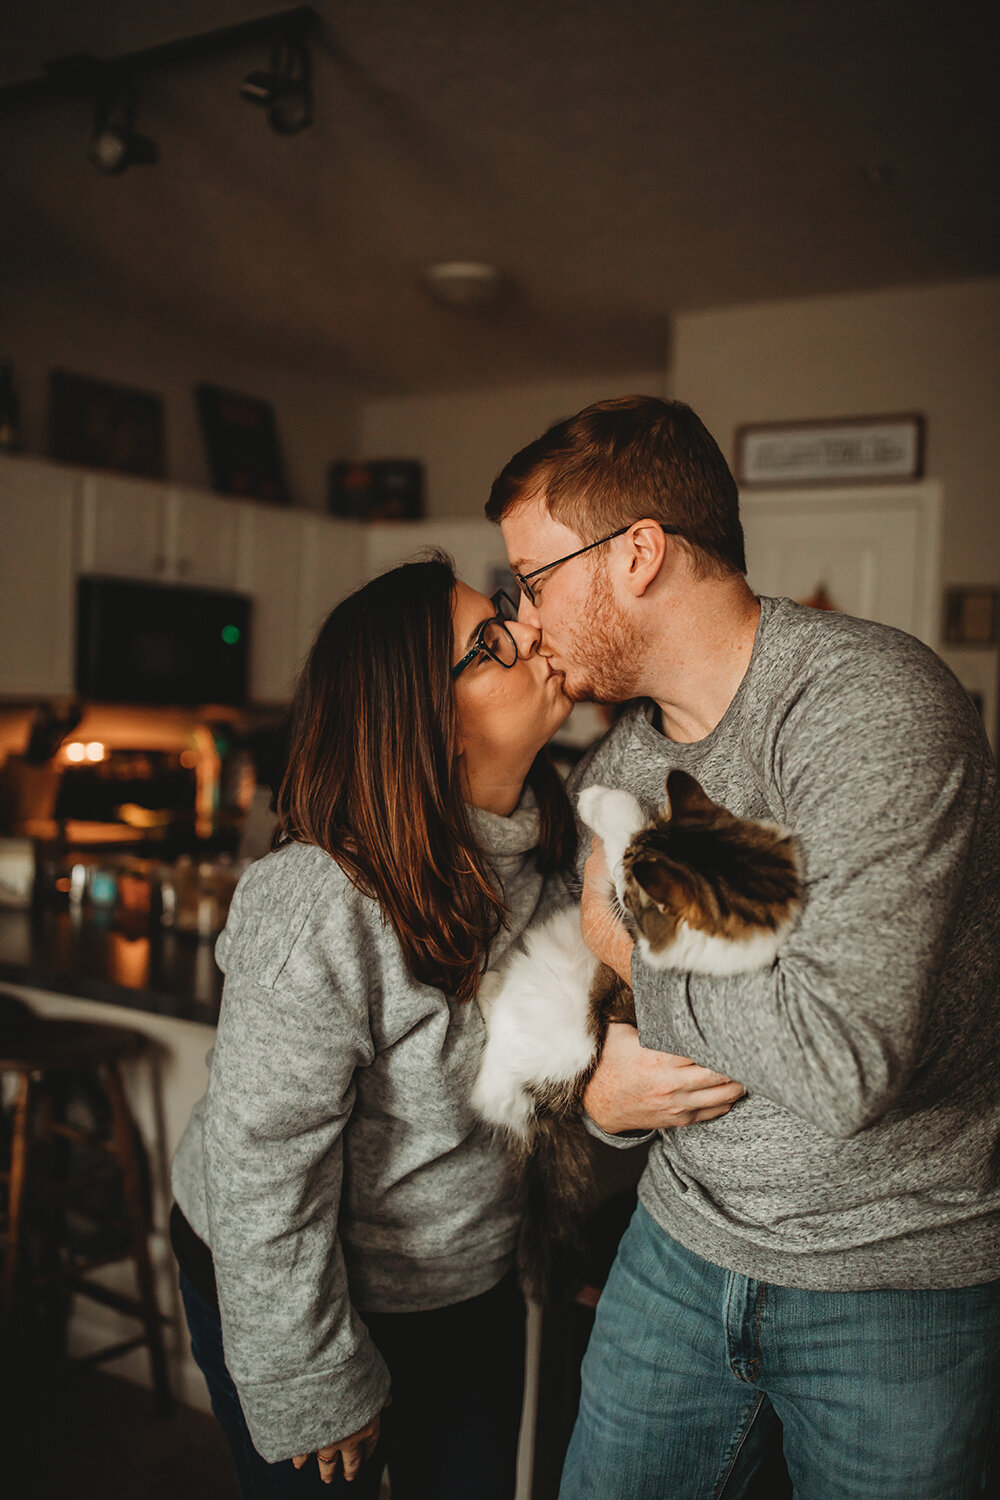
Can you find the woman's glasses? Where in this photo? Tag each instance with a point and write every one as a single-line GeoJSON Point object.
{"type": "Point", "coordinates": [493, 639]}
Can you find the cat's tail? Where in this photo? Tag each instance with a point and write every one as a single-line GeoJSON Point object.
{"type": "Point", "coordinates": [558, 1190]}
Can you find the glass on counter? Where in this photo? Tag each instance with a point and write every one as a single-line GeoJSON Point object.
{"type": "Point", "coordinates": [195, 894]}
{"type": "Point", "coordinates": [189, 895]}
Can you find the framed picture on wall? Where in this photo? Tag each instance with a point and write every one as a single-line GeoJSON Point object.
{"type": "Point", "coordinates": [972, 616]}
{"type": "Point", "coordinates": [105, 426]}
{"type": "Point", "coordinates": [840, 450]}
{"type": "Point", "coordinates": [379, 489]}
{"type": "Point", "coordinates": [241, 441]}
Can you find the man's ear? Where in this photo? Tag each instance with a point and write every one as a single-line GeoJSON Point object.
{"type": "Point", "coordinates": [647, 545]}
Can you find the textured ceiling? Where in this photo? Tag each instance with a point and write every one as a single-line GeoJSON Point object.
{"type": "Point", "coordinates": [621, 161]}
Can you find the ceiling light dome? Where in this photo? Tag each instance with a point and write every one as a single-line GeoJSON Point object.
{"type": "Point", "coordinates": [464, 283]}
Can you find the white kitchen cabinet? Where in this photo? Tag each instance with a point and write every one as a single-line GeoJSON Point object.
{"type": "Point", "coordinates": [37, 507]}
{"type": "Point", "coordinates": [205, 539]}
{"type": "Point", "coordinates": [273, 578]}
{"type": "Point", "coordinates": [123, 527]}
{"type": "Point", "coordinates": [136, 528]}
{"type": "Point", "coordinates": [298, 566]}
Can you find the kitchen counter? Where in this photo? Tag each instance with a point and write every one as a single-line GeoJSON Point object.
{"type": "Point", "coordinates": [95, 955]}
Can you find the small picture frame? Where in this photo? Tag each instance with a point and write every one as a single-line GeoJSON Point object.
{"type": "Point", "coordinates": [100, 425]}
{"type": "Point", "coordinates": [838, 450]}
{"type": "Point", "coordinates": [971, 616]}
{"type": "Point", "coordinates": [381, 489]}
{"type": "Point", "coordinates": [241, 442]}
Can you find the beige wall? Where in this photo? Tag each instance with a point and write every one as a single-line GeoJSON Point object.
{"type": "Point", "coordinates": [931, 349]}
{"type": "Point", "coordinates": [465, 438]}
{"type": "Point", "coordinates": [317, 422]}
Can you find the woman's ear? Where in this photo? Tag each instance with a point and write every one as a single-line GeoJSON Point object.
{"type": "Point", "coordinates": [647, 544]}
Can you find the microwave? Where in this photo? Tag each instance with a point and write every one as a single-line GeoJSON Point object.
{"type": "Point", "coordinates": [161, 643]}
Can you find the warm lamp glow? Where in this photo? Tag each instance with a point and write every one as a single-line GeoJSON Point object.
{"type": "Point", "coordinates": [95, 750]}
{"type": "Point", "coordinates": [76, 752]}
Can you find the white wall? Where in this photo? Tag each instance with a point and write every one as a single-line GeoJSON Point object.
{"type": "Point", "coordinates": [931, 349]}
{"type": "Point", "coordinates": [465, 438]}
{"type": "Point", "coordinates": [45, 330]}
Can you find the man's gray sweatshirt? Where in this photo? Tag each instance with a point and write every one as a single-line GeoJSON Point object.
{"type": "Point", "coordinates": [867, 1152]}
{"type": "Point", "coordinates": [334, 1165]}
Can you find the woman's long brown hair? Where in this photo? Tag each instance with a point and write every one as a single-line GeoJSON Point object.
{"type": "Point", "coordinates": [373, 775]}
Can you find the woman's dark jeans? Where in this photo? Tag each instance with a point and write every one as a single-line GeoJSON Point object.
{"type": "Point", "coordinates": [451, 1431]}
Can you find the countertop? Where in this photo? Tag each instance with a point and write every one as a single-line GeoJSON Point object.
{"type": "Point", "coordinates": [104, 956]}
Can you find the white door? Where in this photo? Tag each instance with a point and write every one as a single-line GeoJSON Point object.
{"type": "Point", "coordinates": [37, 506]}
{"type": "Point", "coordinates": [874, 552]}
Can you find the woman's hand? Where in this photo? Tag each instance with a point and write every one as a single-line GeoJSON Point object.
{"type": "Point", "coordinates": [350, 1450]}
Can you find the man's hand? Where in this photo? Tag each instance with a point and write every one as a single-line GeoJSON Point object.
{"type": "Point", "coordinates": [351, 1450]}
{"type": "Point", "coordinates": [635, 1089]}
{"type": "Point", "coordinates": [604, 934]}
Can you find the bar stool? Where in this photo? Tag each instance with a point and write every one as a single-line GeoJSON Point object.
{"type": "Point", "coordinates": [48, 1049]}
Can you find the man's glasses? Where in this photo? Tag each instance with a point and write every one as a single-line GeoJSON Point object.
{"type": "Point", "coordinates": [493, 639]}
{"type": "Point", "coordinates": [522, 578]}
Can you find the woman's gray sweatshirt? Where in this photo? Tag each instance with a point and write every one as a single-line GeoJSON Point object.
{"type": "Point", "coordinates": [334, 1165]}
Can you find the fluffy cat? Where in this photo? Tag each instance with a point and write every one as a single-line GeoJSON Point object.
{"type": "Point", "coordinates": [699, 890]}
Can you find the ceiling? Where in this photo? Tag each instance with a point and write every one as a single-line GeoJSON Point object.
{"type": "Point", "coordinates": [621, 160]}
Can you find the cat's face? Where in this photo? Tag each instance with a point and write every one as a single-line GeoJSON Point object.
{"type": "Point", "coordinates": [695, 865]}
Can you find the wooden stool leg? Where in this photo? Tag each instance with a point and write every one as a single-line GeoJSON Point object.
{"type": "Point", "coordinates": [138, 1229]}
{"type": "Point", "coordinates": [20, 1148]}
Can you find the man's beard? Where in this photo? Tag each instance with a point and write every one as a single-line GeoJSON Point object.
{"type": "Point", "coordinates": [611, 671]}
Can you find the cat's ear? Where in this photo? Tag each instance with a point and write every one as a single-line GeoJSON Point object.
{"type": "Point", "coordinates": [684, 795]}
{"type": "Point", "coordinates": [668, 885]}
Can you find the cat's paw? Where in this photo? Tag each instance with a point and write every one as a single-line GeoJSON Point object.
{"type": "Point", "coordinates": [616, 817]}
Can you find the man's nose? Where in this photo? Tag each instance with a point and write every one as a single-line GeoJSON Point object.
{"type": "Point", "coordinates": [527, 614]}
{"type": "Point", "coordinates": [526, 637]}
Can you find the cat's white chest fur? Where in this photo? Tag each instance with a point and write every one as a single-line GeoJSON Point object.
{"type": "Point", "coordinates": [538, 1014]}
{"type": "Point", "coordinates": [536, 1023]}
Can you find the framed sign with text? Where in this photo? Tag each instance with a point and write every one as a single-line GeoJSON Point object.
{"type": "Point", "coordinates": [841, 450]}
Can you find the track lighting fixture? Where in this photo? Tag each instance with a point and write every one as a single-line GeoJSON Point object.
{"type": "Point", "coordinates": [116, 143]}
{"type": "Point", "coordinates": [285, 89]}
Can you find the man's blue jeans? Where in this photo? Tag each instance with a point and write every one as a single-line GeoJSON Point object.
{"type": "Point", "coordinates": [881, 1395]}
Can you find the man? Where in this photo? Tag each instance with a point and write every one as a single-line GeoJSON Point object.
{"type": "Point", "coordinates": [826, 1252]}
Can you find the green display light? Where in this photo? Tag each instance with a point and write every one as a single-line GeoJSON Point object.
{"type": "Point", "coordinates": [230, 634]}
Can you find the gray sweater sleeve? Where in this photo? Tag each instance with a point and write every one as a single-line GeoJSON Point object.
{"type": "Point", "coordinates": [883, 784]}
{"type": "Point", "coordinates": [281, 1092]}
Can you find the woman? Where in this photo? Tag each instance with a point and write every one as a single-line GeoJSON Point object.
{"type": "Point", "coordinates": [344, 1226]}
